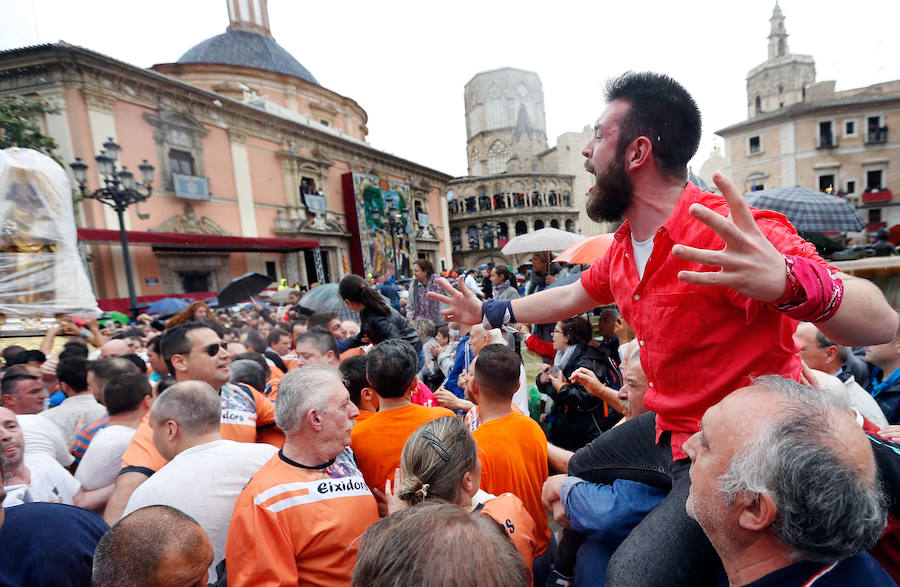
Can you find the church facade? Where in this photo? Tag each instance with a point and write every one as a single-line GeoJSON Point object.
{"type": "Point", "coordinates": [246, 144]}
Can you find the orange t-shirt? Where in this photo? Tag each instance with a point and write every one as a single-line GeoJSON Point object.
{"type": "Point", "coordinates": [297, 526]}
{"type": "Point", "coordinates": [513, 450]}
{"type": "Point", "coordinates": [378, 440]}
{"type": "Point", "coordinates": [509, 511]}
{"type": "Point", "coordinates": [245, 414]}
{"type": "Point", "coordinates": [364, 415]}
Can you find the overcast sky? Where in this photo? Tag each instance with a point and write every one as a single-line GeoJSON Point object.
{"type": "Point", "coordinates": [406, 62]}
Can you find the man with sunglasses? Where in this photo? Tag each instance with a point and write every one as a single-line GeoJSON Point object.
{"type": "Point", "coordinates": [192, 352]}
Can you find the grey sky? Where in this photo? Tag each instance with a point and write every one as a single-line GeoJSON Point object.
{"type": "Point", "coordinates": [406, 62]}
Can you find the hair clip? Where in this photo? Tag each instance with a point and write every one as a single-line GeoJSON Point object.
{"type": "Point", "coordinates": [436, 444]}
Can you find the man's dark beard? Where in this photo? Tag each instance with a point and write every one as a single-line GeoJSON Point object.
{"type": "Point", "coordinates": [612, 194]}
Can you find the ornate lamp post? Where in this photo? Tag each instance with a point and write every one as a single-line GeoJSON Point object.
{"type": "Point", "coordinates": [393, 225]}
{"type": "Point", "coordinates": [120, 190]}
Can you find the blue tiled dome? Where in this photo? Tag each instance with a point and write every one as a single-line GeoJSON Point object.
{"type": "Point", "coordinates": [248, 50]}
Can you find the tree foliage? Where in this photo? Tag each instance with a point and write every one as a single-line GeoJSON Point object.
{"type": "Point", "coordinates": [19, 125]}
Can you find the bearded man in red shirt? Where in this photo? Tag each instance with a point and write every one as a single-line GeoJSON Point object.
{"type": "Point", "coordinates": [712, 289]}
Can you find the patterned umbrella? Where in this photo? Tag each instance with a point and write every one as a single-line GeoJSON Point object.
{"type": "Point", "coordinates": [809, 210]}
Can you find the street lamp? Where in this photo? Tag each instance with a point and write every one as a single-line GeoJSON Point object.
{"type": "Point", "coordinates": [487, 234]}
{"type": "Point", "coordinates": [120, 191]}
{"type": "Point", "coordinates": [393, 225]}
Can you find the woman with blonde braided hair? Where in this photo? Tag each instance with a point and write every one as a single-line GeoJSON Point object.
{"type": "Point", "coordinates": [440, 462]}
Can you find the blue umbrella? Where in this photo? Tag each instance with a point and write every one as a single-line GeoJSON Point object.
{"type": "Point", "coordinates": [168, 305]}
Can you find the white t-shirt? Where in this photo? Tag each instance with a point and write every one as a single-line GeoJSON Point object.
{"type": "Point", "coordinates": [102, 460]}
{"type": "Point", "coordinates": [642, 252]}
{"type": "Point", "coordinates": [49, 482]}
{"type": "Point", "coordinates": [204, 482]}
{"type": "Point", "coordinates": [44, 437]}
{"type": "Point", "coordinates": [67, 414]}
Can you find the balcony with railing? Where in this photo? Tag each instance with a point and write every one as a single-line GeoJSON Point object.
{"type": "Point", "coordinates": [509, 202]}
{"type": "Point", "coordinates": [877, 134]}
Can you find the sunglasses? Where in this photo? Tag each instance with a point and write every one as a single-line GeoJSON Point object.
{"type": "Point", "coordinates": [213, 349]}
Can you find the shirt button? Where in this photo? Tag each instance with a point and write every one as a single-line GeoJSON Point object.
{"type": "Point", "coordinates": [636, 297]}
{"type": "Point", "coordinates": [650, 384]}
{"type": "Point", "coordinates": [642, 343]}
{"type": "Point", "coordinates": [626, 255]}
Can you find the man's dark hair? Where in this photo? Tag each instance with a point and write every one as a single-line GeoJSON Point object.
{"type": "Point", "coordinates": [133, 550]}
{"type": "Point", "coordinates": [253, 340]}
{"type": "Point", "coordinates": [275, 335]}
{"type": "Point", "coordinates": [73, 372]}
{"type": "Point", "coordinates": [322, 319]}
{"type": "Point", "coordinates": [75, 346]}
{"type": "Point", "coordinates": [353, 370]}
{"type": "Point", "coordinates": [391, 366]}
{"type": "Point", "coordinates": [213, 325]}
{"type": "Point", "coordinates": [12, 376]}
{"type": "Point", "coordinates": [31, 355]}
{"type": "Point", "coordinates": [664, 112]}
{"type": "Point", "coordinates": [154, 344]}
{"type": "Point", "coordinates": [321, 341]}
{"type": "Point", "coordinates": [497, 371]}
{"type": "Point", "coordinates": [124, 393]}
{"type": "Point", "coordinates": [248, 372]}
{"type": "Point", "coordinates": [300, 321]}
{"type": "Point", "coordinates": [137, 361]}
{"type": "Point", "coordinates": [165, 382]}
{"type": "Point", "coordinates": [105, 369]}
{"type": "Point", "coordinates": [256, 358]}
{"type": "Point", "coordinates": [10, 352]}
{"type": "Point", "coordinates": [175, 341]}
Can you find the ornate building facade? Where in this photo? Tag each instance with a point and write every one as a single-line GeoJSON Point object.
{"type": "Point", "coordinates": [515, 183]}
{"type": "Point", "coordinates": [246, 144]}
{"type": "Point", "coordinates": [803, 132]}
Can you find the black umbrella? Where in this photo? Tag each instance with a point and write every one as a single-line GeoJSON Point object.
{"type": "Point", "coordinates": [243, 288]}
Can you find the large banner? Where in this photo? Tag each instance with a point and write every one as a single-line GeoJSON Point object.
{"type": "Point", "coordinates": [369, 201]}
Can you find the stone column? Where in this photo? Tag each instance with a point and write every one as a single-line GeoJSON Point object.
{"type": "Point", "coordinates": [246, 209]}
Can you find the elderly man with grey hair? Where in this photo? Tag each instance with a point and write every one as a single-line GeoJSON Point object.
{"type": "Point", "coordinates": [205, 473]}
{"type": "Point", "coordinates": [300, 517]}
{"type": "Point", "coordinates": [784, 484]}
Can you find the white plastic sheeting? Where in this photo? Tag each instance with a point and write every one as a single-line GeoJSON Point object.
{"type": "Point", "coordinates": [41, 272]}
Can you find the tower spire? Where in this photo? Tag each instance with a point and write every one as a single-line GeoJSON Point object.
{"type": "Point", "coordinates": [251, 16]}
{"type": "Point", "coordinates": [778, 45]}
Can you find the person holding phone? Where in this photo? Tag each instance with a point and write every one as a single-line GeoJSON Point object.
{"type": "Point", "coordinates": [577, 417]}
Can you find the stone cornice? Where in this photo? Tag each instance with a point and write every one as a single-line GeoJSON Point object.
{"type": "Point", "coordinates": [34, 68]}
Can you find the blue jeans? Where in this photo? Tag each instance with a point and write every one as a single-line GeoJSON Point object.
{"type": "Point", "coordinates": [667, 548]}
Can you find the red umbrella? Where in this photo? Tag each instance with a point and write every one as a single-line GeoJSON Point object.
{"type": "Point", "coordinates": [588, 250]}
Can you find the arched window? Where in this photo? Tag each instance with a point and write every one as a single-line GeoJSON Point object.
{"type": "Point", "coordinates": [570, 225]}
{"type": "Point", "coordinates": [502, 230]}
{"type": "Point", "coordinates": [554, 223]}
{"type": "Point", "coordinates": [758, 104]}
{"type": "Point", "coordinates": [497, 156]}
{"type": "Point", "coordinates": [472, 234]}
{"type": "Point", "coordinates": [538, 224]}
{"type": "Point", "coordinates": [780, 47]}
{"type": "Point", "coordinates": [456, 239]}
{"type": "Point", "coordinates": [521, 227]}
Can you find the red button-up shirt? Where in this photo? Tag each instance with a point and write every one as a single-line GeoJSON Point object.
{"type": "Point", "coordinates": [698, 343]}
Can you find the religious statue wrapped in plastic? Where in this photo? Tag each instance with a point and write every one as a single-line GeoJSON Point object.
{"type": "Point", "coordinates": [41, 272]}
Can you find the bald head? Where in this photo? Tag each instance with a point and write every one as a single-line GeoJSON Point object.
{"type": "Point", "coordinates": [193, 405]}
{"type": "Point", "coordinates": [155, 545]}
{"type": "Point", "coordinates": [114, 348]}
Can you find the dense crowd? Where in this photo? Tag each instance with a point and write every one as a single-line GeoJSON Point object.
{"type": "Point", "coordinates": [718, 405]}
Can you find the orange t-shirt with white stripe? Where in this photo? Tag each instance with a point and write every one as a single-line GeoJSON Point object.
{"type": "Point", "coordinates": [513, 451]}
{"type": "Point", "coordinates": [245, 414]}
{"type": "Point", "coordinates": [378, 440]}
{"type": "Point", "coordinates": [298, 526]}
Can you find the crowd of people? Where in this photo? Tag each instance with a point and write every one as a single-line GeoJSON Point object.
{"type": "Point", "coordinates": [714, 403]}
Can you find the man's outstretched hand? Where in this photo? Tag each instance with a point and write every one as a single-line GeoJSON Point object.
{"type": "Point", "coordinates": [465, 307]}
{"type": "Point", "coordinates": [749, 263]}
